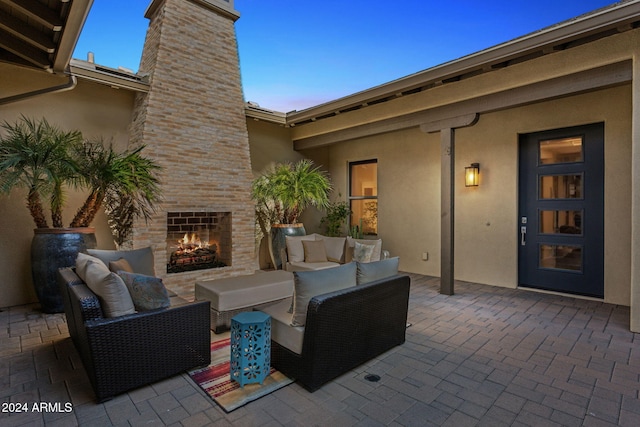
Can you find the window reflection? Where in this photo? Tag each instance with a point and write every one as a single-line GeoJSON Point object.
{"type": "Point", "coordinates": [561, 257]}
{"type": "Point", "coordinates": [363, 196]}
{"type": "Point", "coordinates": [561, 222]}
{"type": "Point", "coordinates": [561, 187]}
{"type": "Point", "coordinates": [564, 150]}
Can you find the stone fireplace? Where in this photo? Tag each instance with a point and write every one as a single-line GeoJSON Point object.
{"type": "Point", "coordinates": [198, 241]}
{"type": "Point", "coordinates": [192, 122]}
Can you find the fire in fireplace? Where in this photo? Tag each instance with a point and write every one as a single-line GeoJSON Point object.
{"type": "Point", "coordinates": [198, 240]}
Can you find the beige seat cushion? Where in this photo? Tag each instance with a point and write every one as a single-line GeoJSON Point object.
{"type": "Point", "coordinates": [140, 260]}
{"type": "Point", "coordinates": [310, 266]}
{"type": "Point", "coordinates": [309, 284]}
{"type": "Point", "coordinates": [245, 291]}
{"type": "Point", "coordinates": [376, 270]}
{"type": "Point", "coordinates": [334, 247]}
{"type": "Point", "coordinates": [282, 332]}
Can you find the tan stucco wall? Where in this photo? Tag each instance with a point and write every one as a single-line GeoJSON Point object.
{"type": "Point", "coordinates": [94, 109]}
{"type": "Point", "coordinates": [488, 253]}
{"type": "Point", "coordinates": [486, 234]}
{"type": "Point", "coordinates": [270, 143]}
{"type": "Point", "coordinates": [409, 165]}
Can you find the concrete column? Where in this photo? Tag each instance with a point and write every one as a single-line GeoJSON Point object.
{"type": "Point", "coordinates": [447, 187]}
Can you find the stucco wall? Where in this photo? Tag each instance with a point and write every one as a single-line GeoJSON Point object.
{"type": "Point", "coordinates": [486, 234]}
{"type": "Point", "coordinates": [109, 117]}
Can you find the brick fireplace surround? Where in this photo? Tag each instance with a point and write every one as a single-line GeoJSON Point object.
{"type": "Point", "coordinates": [192, 123]}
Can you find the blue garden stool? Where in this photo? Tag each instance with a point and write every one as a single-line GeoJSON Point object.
{"type": "Point", "coordinates": [250, 347]}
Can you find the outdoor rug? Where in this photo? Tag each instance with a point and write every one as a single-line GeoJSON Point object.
{"type": "Point", "coordinates": [216, 381]}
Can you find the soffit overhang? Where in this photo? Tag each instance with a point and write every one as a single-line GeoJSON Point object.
{"type": "Point", "coordinates": [115, 78]}
{"type": "Point", "coordinates": [619, 17]}
{"type": "Point", "coordinates": [41, 34]}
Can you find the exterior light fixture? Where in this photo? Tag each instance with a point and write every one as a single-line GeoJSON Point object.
{"type": "Point", "coordinates": [471, 173]}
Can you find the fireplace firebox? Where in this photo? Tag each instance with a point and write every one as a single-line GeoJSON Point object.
{"type": "Point", "coordinates": [198, 241]}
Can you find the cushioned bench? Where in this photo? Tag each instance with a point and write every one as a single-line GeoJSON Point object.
{"type": "Point", "coordinates": [234, 295]}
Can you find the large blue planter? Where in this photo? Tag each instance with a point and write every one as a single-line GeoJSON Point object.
{"type": "Point", "coordinates": [51, 249]}
{"type": "Point", "coordinates": [278, 240]}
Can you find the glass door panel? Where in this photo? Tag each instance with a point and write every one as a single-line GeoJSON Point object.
{"type": "Point", "coordinates": [561, 257]}
{"type": "Point", "coordinates": [560, 222]}
{"type": "Point", "coordinates": [562, 150]}
{"type": "Point", "coordinates": [561, 186]}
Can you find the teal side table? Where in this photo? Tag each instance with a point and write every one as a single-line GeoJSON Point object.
{"type": "Point", "coordinates": [250, 347]}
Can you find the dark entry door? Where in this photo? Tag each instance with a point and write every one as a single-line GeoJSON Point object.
{"type": "Point", "coordinates": [561, 210]}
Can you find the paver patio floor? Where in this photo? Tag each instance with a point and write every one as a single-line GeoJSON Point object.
{"type": "Point", "coordinates": [485, 356]}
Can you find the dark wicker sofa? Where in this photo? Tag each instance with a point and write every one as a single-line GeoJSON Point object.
{"type": "Point", "coordinates": [126, 352]}
{"type": "Point", "coordinates": [346, 328]}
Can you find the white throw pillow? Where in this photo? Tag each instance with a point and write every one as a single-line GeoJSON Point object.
{"type": "Point", "coordinates": [351, 242]}
{"type": "Point", "coordinates": [362, 252]}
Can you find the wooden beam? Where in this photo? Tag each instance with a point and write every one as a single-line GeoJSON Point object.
{"type": "Point", "coordinates": [39, 12]}
{"type": "Point", "coordinates": [25, 32]}
{"type": "Point", "coordinates": [24, 50]}
{"type": "Point", "coordinates": [584, 81]}
{"type": "Point", "coordinates": [447, 187]}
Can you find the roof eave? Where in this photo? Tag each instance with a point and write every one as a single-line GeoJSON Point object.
{"type": "Point", "coordinates": [77, 17]}
{"type": "Point", "coordinates": [616, 16]}
{"type": "Point", "coordinates": [111, 77]}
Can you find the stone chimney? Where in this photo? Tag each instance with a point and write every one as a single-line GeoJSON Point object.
{"type": "Point", "coordinates": [192, 122]}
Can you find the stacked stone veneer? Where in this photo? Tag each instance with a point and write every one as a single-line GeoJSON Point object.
{"type": "Point", "coordinates": [192, 122]}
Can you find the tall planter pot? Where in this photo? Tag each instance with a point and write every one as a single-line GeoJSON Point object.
{"type": "Point", "coordinates": [51, 249]}
{"type": "Point", "coordinates": [278, 240]}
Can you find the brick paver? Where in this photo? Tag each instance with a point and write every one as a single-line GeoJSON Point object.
{"type": "Point", "coordinates": [485, 356]}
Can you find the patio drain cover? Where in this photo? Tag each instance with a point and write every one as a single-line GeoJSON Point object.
{"type": "Point", "coordinates": [372, 377]}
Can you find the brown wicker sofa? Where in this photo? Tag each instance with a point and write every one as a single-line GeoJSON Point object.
{"type": "Point", "coordinates": [346, 328]}
{"type": "Point", "coordinates": [129, 351]}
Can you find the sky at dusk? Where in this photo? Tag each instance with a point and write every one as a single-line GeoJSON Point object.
{"type": "Point", "coordinates": [295, 54]}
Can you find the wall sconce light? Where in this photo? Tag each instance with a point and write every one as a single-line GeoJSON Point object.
{"type": "Point", "coordinates": [471, 173]}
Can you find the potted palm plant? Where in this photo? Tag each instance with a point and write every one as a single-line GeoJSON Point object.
{"type": "Point", "coordinates": [47, 161]}
{"type": "Point", "coordinates": [281, 194]}
{"type": "Point", "coordinates": [337, 213]}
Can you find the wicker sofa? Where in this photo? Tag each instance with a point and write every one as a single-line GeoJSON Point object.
{"type": "Point", "coordinates": [129, 351]}
{"type": "Point", "coordinates": [343, 329]}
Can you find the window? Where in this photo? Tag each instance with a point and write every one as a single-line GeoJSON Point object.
{"type": "Point", "coordinates": [363, 196]}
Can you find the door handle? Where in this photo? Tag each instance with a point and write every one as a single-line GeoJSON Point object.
{"type": "Point", "coordinates": [523, 235]}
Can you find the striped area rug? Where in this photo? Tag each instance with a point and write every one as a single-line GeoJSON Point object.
{"type": "Point", "coordinates": [216, 382]}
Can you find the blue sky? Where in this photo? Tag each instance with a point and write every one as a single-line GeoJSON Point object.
{"type": "Point", "coordinates": [296, 54]}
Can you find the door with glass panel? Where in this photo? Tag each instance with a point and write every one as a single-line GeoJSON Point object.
{"type": "Point", "coordinates": [561, 210]}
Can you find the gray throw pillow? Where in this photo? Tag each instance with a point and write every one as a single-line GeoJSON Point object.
{"type": "Point", "coordinates": [376, 270]}
{"type": "Point", "coordinates": [81, 265]}
{"type": "Point", "coordinates": [114, 297]}
{"type": "Point", "coordinates": [147, 292]}
{"type": "Point", "coordinates": [309, 284]}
